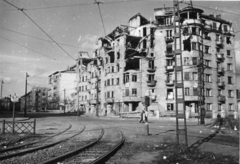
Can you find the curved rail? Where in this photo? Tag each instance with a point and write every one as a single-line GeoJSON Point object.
{"type": "Point", "coordinates": [31, 143]}
{"type": "Point", "coordinates": [72, 153]}
{"type": "Point", "coordinates": [106, 156]}
{"type": "Point", "coordinates": [39, 147]}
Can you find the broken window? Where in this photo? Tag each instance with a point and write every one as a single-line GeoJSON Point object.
{"type": "Point", "coordinates": [112, 58]}
{"type": "Point", "coordinates": [132, 64]}
{"type": "Point", "coordinates": [225, 29]}
{"type": "Point", "coordinates": [184, 15]}
{"type": "Point", "coordinates": [206, 50]}
{"type": "Point", "coordinates": [144, 31]}
{"type": "Point", "coordinates": [187, 45]}
{"type": "Point", "coordinates": [160, 21]}
{"type": "Point", "coordinates": [192, 15]}
{"type": "Point", "coordinates": [169, 62]}
{"type": "Point", "coordinates": [218, 50]}
{"type": "Point", "coordinates": [228, 40]}
{"type": "Point", "coordinates": [170, 94]}
{"type": "Point", "coordinates": [185, 31]}
{"type": "Point", "coordinates": [194, 31]}
{"type": "Point", "coordinates": [214, 25]}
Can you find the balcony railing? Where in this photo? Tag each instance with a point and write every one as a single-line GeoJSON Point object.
{"type": "Point", "coordinates": [221, 84]}
{"type": "Point", "coordinates": [152, 69]}
{"type": "Point", "coordinates": [169, 68]}
{"type": "Point", "coordinates": [168, 39]}
{"type": "Point", "coordinates": [220, 56]}
{"type": "Point", "coordinates": [219, 42]}
{"type": "Point", "coordinates": [151, 83]}
{"type": "Point", "coordinates": [110, 100]}
{"type": "Point", "coordinates": [169, 82]}
{"type": "Point", "coordinates": [220, 70]}
{"type": "Point", "coordinates": [169, 53]}
{"type": "Point", "coordinates": [221, 98]}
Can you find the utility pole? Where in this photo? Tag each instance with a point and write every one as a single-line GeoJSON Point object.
{"type": "Point", "coordinates": [64, 100]}
{"type": "Point", "coordinates": [179, 83]}
{"type": "Point", "coordinates": [97, 90]}
{"type": "Point", "coordinates": [2, 88]}
{"type": "Point", "coordinates": [25, 108]}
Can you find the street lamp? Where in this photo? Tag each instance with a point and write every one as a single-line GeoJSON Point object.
{"type": "Point", "coordinates": [14, 99]}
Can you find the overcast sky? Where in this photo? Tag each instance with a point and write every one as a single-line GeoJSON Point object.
{"type": "Point", "coordinates": [75, 25]}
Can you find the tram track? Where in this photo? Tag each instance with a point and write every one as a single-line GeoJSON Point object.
{"type": "Point", "coordinates": [31, 148]}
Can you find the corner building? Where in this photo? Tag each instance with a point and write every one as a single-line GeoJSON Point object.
{"type": "Point", "coordinates": [142, 59]}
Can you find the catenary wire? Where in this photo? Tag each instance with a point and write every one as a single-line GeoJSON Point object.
{"type": "Point", "coordinates": [22, 10]}
{"type": "Point", "coordinates": [36, 37]}
{"type": "Point", "coordinates": [27, 47]}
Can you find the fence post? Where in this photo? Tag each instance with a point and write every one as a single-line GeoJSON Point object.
{"type": "Point", "coordinates": [34, 126]}
{"type": "Point", "coordinates": [3, 127]}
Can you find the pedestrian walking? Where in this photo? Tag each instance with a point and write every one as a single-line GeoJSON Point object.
{"type": "Point", "coordinates": [142, 116]}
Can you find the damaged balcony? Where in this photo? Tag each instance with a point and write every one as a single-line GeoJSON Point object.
{"type": "Point", "coordinates": [132, 64]}
{"type": "Point", "coordinates": [169, 68]}
{"type": "Point", "coordinates": [168, 39]}
{"type": "Point", "coordinates": [221, 98]}
{"type": "Point", "coordinates": [221, 84]}
{"type": "Point", "coordinates": [169, 82]}
{"type": "Point", "coordinates": [151, 69]}
{"type": "Point", "coordinates": [220, 70]}
{"type": "Point", "coordinates": [220, 57]}
{"type": "Point", "coordinates": [219, 43]}
{"type": "Point", "coordinates": [151, 83]}
{"type": "Point", "coordinates": [169, 54]}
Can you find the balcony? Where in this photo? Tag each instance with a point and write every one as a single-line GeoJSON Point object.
{"type": "Point", "coordinates": [221, 98]}
{"type": "Point", "coordinates": [169, 82]}
{"type": "Point", "coordinates": [93, 101]}
{"type": "Point", "coordinates": [220, 70]}
{"type": "Point", "coordinates": [169, 54]}
{"type": "Point", "coordinates": [151, 83]}
{"type": "Point", "coordinates": [219, 42]}
{"type": "Point", "coordinates": [221, 84]}
{"type": "Point", "coordinates": [220, 57]}
{"type": "Point", "coordinates": [152, 69]}
{"type": "Point", "coordinates": [168, 39]}
{"type": "Point", "coordinates": [170, 68]}
{"type": "Point", "coordinates": [110, 100]}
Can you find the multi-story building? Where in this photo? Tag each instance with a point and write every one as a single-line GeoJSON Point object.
{"type": "Point", "coordinates": [36, 100]}
{"type": "Point", "coordinates": [143, 59]}
{"type": "Point", "coordinates": [62, 89]}
{"type": "Point", "coordinates": [6, 104]}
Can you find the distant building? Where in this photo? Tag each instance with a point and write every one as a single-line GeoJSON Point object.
{"type": "Point", "coordinates": [36, 100]}
{"type": "Point", "coordinates": [62, 89]}
{"type": "Point", "coordinates": [140, 59]}
{"type": "Point", "coordinates": [6, 104]}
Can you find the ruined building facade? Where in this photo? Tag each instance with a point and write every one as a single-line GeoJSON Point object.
{"type": "Point", "coordinates": [140, 59]}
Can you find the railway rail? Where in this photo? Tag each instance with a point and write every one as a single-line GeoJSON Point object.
{"type": "Point", "coordinates": [96, 152]}
{"type": "Point", "coordinates": [19, 145]}
{"type": "Point", "coordinates": [36, 148]}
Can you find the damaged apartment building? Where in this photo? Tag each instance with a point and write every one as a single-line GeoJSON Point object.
{"type": "Point", "coordinates": [140, 60]}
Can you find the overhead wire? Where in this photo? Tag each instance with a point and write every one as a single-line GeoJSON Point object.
{"type": "Point", "coordinates": [27, 47]}
{"type": "Point", "coordinates": [22, 10]}
{"type": "Point", "coordinates": [98, 4]}
{"type": "Point", "coordinates": [36, 37]}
